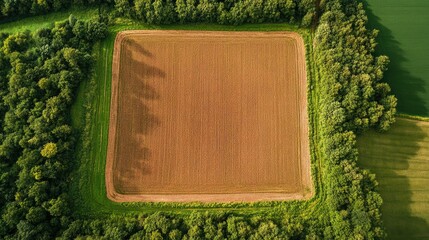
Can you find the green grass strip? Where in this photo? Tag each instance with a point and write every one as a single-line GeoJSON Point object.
{"type": "Point", "coordinates": [38, 22]}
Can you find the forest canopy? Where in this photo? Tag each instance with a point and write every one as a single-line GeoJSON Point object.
{"type": "Point", "coordinates": [40, 74]}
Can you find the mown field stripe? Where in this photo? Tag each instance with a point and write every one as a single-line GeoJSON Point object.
{"type": "Point", "coordinates": [400, 160]}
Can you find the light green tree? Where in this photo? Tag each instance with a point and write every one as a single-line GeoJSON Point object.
{"type": "Point", "coordinates": [49, 150]}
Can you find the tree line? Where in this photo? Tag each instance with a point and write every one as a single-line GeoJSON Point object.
{"type": "Point", "coordinates": [217, 11]}
{"type": "Point", "coordinates": [196, 225]}
{"type": "Point", "coordinates": [14, 9]}
{"type": "Point", "coordinates": [354, 99]}
{"type": "Point", "coordinates": [177, 11]}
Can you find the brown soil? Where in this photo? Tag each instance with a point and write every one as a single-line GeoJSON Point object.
{"type": "Point", "coordinates": [208, 116]}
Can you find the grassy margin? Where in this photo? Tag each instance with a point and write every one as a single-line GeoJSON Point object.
{"type": "Point", "coordinates": [91, 117]}
{"type": "Point", "coordinates": [37, 22]}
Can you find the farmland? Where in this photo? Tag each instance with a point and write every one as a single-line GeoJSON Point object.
{"type": "Point", "coordinates": [403, 37]}
{"type": "Point", "coordinates": [400, 159]}
{"type": "Point", "coordinates": [92, 110]}
{"type": "Point", "coordinates": [55, 92]}
{"type": "Point", "coordinates": [198, 126]}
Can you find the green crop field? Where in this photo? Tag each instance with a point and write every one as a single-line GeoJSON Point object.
{"type": "Point", "coordinates": [404, 31]}
{"type": "Point", "coordinates": [400, 159]}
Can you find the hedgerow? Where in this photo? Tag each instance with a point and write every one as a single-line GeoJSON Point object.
{"type": "Point", "coordinates": [353, 99]}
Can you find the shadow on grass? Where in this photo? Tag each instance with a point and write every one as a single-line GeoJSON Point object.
{"type": "Point", "coordinates": [388, 155]}
{"type": "Point", "coordinates": [405, 86]}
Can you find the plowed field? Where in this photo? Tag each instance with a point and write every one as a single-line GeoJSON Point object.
{"type": "Point", "coordinates": [208, 116]}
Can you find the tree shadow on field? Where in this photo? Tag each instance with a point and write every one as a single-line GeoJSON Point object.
{"type": "Point", "coordinates": [143, 121]}
{"type": "Point", "coordinates": [404, 85]}
{"type": "Point", "coordinates": [388, 155]}
{"type": "Point", "coordinates": [139, 48]}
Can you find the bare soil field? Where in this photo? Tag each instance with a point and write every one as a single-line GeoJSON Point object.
{"type": "Point", "coordinates": [208, 116]}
